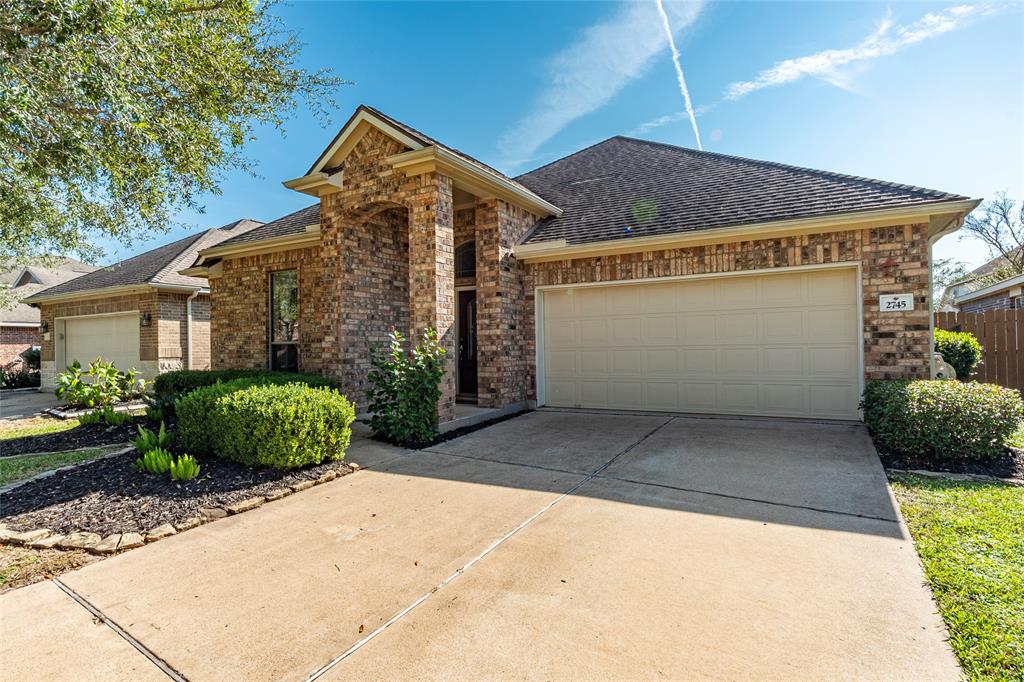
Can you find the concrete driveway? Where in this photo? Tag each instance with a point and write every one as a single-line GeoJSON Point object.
{"type": "Point", "coordinates": [18, 404]}
{"type": "Point", "coordinates": [554, 545]}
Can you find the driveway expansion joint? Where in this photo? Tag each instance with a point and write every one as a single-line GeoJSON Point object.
{"type": "Point", "coordinates": [320, 672]}
{"type": "Point", "coordinates": [163, 665]}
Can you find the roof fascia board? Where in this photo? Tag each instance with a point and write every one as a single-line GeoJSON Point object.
{"type": "Point", "coordinates": [561, 250]}
{"type": "Point", "coordinates": [102, 292]}
{"type": "Point", "coordinates": [991, 289]}
{"type": "Point", "coordinates": [6, 323]}
{"type": "Point", "coordinates": [309, 236]}
{"type": "Point", "coordinates": [475, 179]}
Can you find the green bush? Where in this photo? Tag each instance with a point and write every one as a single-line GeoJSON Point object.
{"type": "Point", "coordinates": [18, 375]}
{"type": "Point", "coordinates": [945, 420]}
{"type": "Point", "coordinates": [959, 349]}
{"type": "Point", "coordinates": [100, 384]}
{"type": "Point", "coordinates": [405, 388]}
{"type": "Point", "coordinates": [266, 424]}
{"type": "Point", "coordinates": [94, 417]}
{"type": "Point", "coordinates": [169, 387]}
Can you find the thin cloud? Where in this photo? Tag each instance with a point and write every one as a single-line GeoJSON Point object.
{"type": "Point", "coordinates": [886, 40]}
{"type": "Point", "coordinates": [685, 91]}
{"type": "Point", "coordinates": [589, 73]}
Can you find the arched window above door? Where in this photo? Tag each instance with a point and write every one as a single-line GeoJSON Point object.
{"type": "Point", "coordinates": [465, 259]}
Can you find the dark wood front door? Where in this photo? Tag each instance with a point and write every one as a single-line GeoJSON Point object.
{"type": "Point", "coordinates": [467, 343]}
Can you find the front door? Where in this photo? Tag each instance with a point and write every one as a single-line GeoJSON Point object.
{"type": "Point", "coordinates": [467, 343]}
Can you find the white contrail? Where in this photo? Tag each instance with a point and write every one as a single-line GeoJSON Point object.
{"type": "Point", "coordinates": [679, 74]}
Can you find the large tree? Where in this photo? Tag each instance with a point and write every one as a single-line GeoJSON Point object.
{"type": "Point", "coordinates": [999, 223]}
{"type": "Point", "coordinates": [114, 114]}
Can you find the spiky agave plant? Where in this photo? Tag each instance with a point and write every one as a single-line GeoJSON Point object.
{"type": "Point", "coordinates": [156, 461]}
{"type": "Point", "coordinates": [185, 468]}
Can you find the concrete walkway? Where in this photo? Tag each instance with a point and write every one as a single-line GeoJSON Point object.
{"type": "Point", "coordinates": [19, 404]}
{"type": "Point", "coordinates": [555, 545]}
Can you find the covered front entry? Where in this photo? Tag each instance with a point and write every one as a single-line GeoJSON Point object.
{"type": "Point", "coordinates": [780, 344]}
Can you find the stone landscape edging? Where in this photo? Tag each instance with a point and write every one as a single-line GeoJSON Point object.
{"type": "Point", "coordinates": [43, 538]}
{"type": "Point", "coordinates": [75, 412]}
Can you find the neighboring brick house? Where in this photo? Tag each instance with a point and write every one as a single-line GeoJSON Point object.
{"type": "Point", "coordinates": [140, 313]}
{"type": "Point", "coordinates": [19, 322]}
{"type": "Point", "coordinates": [629, 275]}
{"type": "Point", "coordinates": [1005, 295]}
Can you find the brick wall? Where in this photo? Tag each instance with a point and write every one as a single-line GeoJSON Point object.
{"type": "Point", "coordinates": [16, 340]}
{"type": "Point", "coordinates": [999, 301]}
{"type": "Point", "coordinates": [239, 308]}
{"type": "Point", "coordinates": [893, 259]}
{"type": "Point", "coordinates": [172, 321]}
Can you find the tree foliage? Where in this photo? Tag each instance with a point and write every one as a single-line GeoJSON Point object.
{"type": "Point", "coordinates": [999, 223]}
{"type": "Point", "coordinates": [116, 114]}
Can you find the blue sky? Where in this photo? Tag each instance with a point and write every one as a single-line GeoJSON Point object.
{"type": "Point", "coordinates": [929, 94]}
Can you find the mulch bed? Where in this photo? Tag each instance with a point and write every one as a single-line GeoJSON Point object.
{"type": "Point", "coordinates": [111, 496]}
{"type": "Point", "coordinates": [82, 436]}
{"type": "Point", "coordinates": [1010, 465]}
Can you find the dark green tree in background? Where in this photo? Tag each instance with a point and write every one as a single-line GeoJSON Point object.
{"type": "Point", "coordinates": [116, 114]}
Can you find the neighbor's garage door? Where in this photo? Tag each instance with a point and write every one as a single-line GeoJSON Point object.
{"type": "Point", "coordinates": [782, 344]}
{"type": "Point", "coordinates": [115, 338]}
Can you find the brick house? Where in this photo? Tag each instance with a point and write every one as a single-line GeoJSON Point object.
{"type": "Point", "coordinates": [139, 313]}
{"type": "Point", "coordinates": [629, 275]}
{"type": "Point", "coordinates": [974, 293]}
{"type": "Point", "coordinates": [19, 322]}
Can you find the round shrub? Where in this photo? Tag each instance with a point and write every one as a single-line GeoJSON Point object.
{"type": "Point", "coordinates": [945, 420]}
{"type": "Point", "coordinates": [170, 386]}
{"type": "Point", "coordinates": [960, 349]}
{"type": "Point", "coordinates": [282, 426]}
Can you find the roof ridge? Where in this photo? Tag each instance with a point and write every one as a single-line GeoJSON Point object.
{"type": "Point", "coordinates": [786, 166]}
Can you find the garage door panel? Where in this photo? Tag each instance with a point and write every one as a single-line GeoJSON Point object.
{"type": "Point", "coordinates": [783, 325]}
{"type": "Point", "coordinates": [558, 304]}
{"type": "Point", "coordinates": [773, 344]}
{"type": "Point", "coordinates": [737, 327]}
{"type": "Point", "coordinates": [114, 338]}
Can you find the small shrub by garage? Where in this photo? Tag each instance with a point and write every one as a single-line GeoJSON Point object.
{"type": "Point", "coordinates": [944, 420]}
{"type": "Point", "coordinates": [282, 426]}
{"type": "Point", "coordinates": [960, 349]}
{"type": "Point", "coordinates": [170, 386]}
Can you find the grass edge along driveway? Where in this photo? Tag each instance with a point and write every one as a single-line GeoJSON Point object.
{"type": "Point", "coordinates": [970, 537]}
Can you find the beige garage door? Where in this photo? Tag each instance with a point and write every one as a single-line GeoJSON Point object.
{"type": "Point", "coordinates": [115, 338]}
{"type": "Point", "coordinates": [782, 344]}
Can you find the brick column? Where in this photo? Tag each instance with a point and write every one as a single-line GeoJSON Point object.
{"type": "Point", "coordinates": [503, 368]}
{"type": "Point", "coordinates": [432, 274]}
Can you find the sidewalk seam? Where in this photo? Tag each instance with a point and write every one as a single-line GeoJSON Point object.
{"type": "Point", "coordinates": [163, 665]}
{"type": "Point", "coordinates": [320, 672]}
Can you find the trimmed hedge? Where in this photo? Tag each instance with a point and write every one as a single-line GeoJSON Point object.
{"type": "Point", "coordinates": [282, 426]}
{"type": "Point", "coordinates": [169, 387]}
{"type": "Point", "coordinates": [946, 420]}
{"type": "Point", "coordinates": [960, 349]}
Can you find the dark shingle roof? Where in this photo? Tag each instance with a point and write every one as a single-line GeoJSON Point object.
{"type": "Point", "coordinates": [158, 266]}
{"type": "Point", "coordinates": [293, 223]}
{"type": "Point", "coordinates": [624, 187]}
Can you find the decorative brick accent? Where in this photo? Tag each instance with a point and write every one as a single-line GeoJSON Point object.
{"type": "Point", "coordinates": [16, 340]}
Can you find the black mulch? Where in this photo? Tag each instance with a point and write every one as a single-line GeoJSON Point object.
{"type": "Point", "coordinates": [1010, 465]}
{"type": "Point", "coordinates": [82, 436]}
{"type": "Point", "coordinates": [111, 496]}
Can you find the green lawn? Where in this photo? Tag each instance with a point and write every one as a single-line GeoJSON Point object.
{"type": "Point", "coordinates": [35, 426]}
{"type": "Point", "coordinates": [970, 536]}
{"type": "Point", "coordinates": [21, 467]}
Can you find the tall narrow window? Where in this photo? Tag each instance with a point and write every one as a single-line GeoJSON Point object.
{"type": "Point", "coordinates": [284, 321]}
{"type": "Point", "coordinates": [465, 260]}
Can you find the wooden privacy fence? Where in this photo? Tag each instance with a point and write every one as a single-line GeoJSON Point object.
{"type": "Point", "coordinates": [1001, 334]}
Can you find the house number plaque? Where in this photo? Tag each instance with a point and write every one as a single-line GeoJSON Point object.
{"type": "Point", "coordinates": [896, 303]}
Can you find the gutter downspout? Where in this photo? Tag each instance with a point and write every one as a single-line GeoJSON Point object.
{"type": "Point", "coordinates": [188, 324]}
